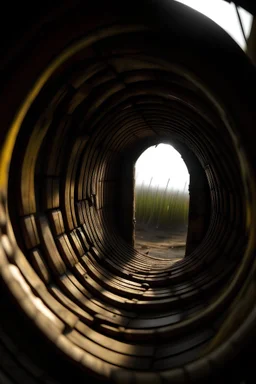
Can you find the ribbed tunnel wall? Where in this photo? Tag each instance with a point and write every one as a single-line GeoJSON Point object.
{"type": "Point", "coordinates": [78, 301]}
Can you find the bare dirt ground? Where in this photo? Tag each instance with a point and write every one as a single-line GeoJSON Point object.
{"type": "Point", "coordinates": [161, 243]}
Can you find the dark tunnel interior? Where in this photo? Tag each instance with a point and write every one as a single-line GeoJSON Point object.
{"type": "Point", "coordinates": [86, 88]}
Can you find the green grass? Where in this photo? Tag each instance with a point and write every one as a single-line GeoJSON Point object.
{"type": "Point", "coordinates": [161, 208]}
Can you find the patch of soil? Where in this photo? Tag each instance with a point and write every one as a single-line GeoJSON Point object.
{"type": "Point", "coordinates": [161, 243]}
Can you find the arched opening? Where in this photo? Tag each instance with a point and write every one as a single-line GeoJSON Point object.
{"type": "Point", "coordinates": [161, 202]}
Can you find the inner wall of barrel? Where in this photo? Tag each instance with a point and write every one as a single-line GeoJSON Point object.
{"type": "Point", "coordinates": [86, 127]}
{"type": "Point", "coordinates": [67, 188]}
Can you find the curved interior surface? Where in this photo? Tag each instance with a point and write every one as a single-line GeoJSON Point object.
{"type": "Point", "coordinates": [93, 91]}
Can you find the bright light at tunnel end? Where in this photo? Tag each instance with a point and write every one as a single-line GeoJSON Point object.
{"type": "Point", "coordinates": [161, 163]}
